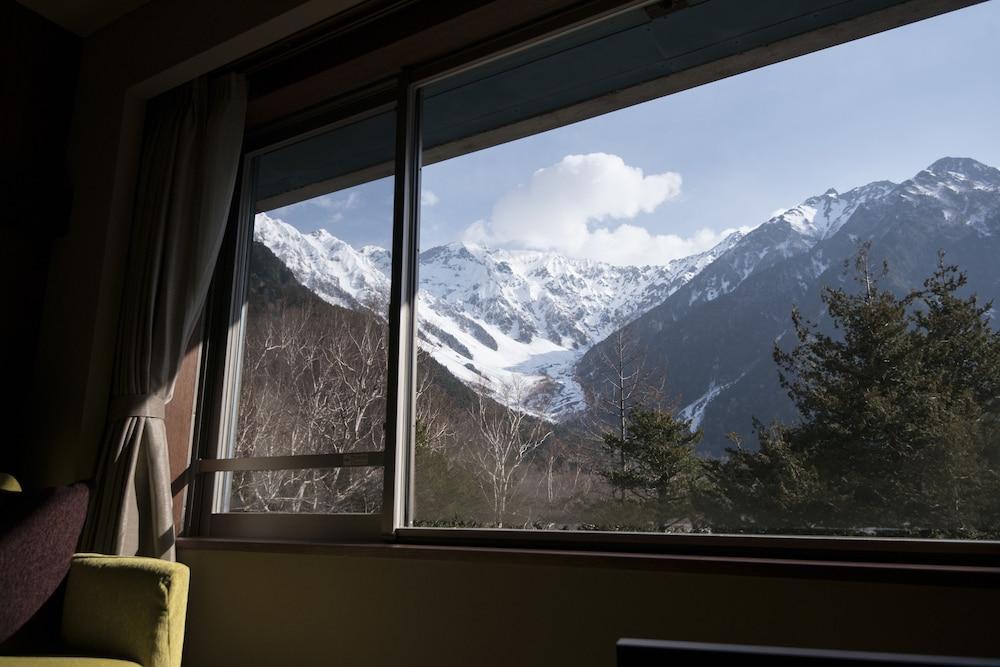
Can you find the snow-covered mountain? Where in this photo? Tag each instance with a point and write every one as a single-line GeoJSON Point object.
{"type": "Point", "coordinates": [335, 270]}
{"type": "Point", "coordinates": [794, 231]}
{"type": "Point", "coordinates": [713, 337]}
{"type": "Point", "coordinates": [492, 317]}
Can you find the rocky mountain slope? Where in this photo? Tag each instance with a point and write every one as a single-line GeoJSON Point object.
{"type": "Point", "coordinates": [707, 322]}
{"type": "Point", "coordinates": [713, 338]}
{"type": "Point", "coordinates": [492, 317]}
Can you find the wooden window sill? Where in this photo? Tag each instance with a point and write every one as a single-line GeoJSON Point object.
{"type": "Point", "coordinates": [977, 576]}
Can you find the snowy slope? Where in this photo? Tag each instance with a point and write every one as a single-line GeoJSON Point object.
{"type": "Point", "coordinates": [497, 316]}
{"type": "Point", "coordinates": [326, 265]}
{"type": "Point", "coordinates": [492, 316]}
{"type": "Point", "coordinates": [821, 217]}
{"type": "Point", "coordinates": [794, 231]}
{"type": "Point", "coordinates": [528, 316]}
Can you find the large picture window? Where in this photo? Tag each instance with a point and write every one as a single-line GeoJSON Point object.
{"type": "Point", "coordinates": [762, 305]}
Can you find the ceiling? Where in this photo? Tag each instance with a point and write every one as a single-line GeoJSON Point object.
{"type": "Point", "coordinates": [83, 17]}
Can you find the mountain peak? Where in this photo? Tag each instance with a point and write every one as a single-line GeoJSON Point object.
{"type": "Point", "coordinates": [958, 165]}
{"type": "Point", "coordinates": [821, 216]}
{"type": "Point", "coordinates": [963, 172]}
{"type": "Point", "coordinates": [455, 250]}
{"type": "Point", "coordinates": [952, 176]}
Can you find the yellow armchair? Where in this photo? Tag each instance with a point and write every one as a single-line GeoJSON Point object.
{"type": "Point", "coordinates": [120, 611]}
{"type": "Point", "coordinates": [116, 611]}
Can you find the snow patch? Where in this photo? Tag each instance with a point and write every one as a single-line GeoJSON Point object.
{"type": "Point", "coordinates": [695, 411]}
{"type": "Point", "coordinates": [493, 316]}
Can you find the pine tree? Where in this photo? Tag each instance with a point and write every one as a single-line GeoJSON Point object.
{"type": "Point", "coordinates": [964, 349]}
{"type": "Point", "coordinates": [625, 383]}
{"type": "Point", "coordinates": [661, 469]}
{"type": "Point", "coordinates": [857, 394]}
{"type": "Point", "coordinates": [771, 489]}
{"type": "Point", "coordinates": [898, 415]}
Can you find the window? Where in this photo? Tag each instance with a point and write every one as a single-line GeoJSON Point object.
{"type": "Point", "coordinates": [644, 341]}
{"type": "Point", "coordinates": [306, 433]}
{"type": "Point", "coordinates": [313, 375]}
{"type": "Point", "coordinates": [635, 304]}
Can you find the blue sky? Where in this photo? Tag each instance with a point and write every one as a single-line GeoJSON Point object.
{"type": "Point", "coordinates": [669, 177]}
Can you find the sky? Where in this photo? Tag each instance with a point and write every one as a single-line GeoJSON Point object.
{"type": "Point", "coordinates": [670, 177]}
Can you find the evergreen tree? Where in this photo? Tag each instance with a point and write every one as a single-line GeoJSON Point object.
{"type": "Point", "coordinates": [964, 349]}
{"type": "Point", "coordinates": [861, 395]}
{"type": "Point", "coordinates": [759, 491]}
{"type": "Point", "coordinates": [657, 467]}
{"type": "Point", "coordinates": [896, 411]}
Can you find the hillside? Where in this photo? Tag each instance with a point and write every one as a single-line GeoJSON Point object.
{"type": "Point", "coordinates": [714, 345]}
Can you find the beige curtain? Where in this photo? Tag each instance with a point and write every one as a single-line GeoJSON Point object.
{"type": "Point", "coordinates": [191, 151]}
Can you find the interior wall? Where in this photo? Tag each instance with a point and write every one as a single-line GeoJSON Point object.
{"type": "Point", "coordinates": [313, 609]}
{"type": "Point", "coordinates": [38, 69]}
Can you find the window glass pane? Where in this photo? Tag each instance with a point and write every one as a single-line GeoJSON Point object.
{"type": "Point", "coordinates": [761, 305]}
{"type": "Point", "coordinates": [313, 375]}
{"type": "Point", "coordinates": [588, 68]}
{"type": "Point", "coordinates": [354, 490]}
{"type": "Point", "coordinates": [348, 155]}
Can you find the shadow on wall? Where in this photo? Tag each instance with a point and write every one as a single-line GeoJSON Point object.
{"type": "Point", "coordinates": [39, 62]}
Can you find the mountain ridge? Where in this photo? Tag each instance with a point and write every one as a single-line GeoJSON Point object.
{"type": "Point", "coordinates": [496, 316]}
{"type": "Point", "coordinates": [491, 316]}
{"type": "Point", "coordinates": [727, 378]}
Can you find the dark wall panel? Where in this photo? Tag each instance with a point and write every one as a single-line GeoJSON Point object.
{"type": "Point", "coordinates": [38, 69]}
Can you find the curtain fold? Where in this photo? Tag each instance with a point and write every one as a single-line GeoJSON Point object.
{"type": "Point", "coordinates": [191, 151]}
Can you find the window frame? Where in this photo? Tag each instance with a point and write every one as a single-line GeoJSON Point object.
{"type": "Point", "coordinates": [218, 391]}
{"type": "Point", "coordinates": [223, 355]}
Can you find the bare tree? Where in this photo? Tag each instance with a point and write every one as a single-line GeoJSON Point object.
{"type": "Point", "coordinates": [312, 383]}
{"type": "Point", "coordinates": [509, 436]}
{"type": "Point", "coordinates": [625, 384]}
{"type": "Point", "coordinates": [564, 477]}
{"type": "Point", "coordinates": [434, 429]}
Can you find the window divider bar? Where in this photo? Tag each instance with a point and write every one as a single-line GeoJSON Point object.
{"type": "Point", "coordinates": [399, 423]}
{"type": "Point", "coordinates": [299, 462]}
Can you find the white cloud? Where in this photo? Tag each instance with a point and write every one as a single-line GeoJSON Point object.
{"type": "Point", "coordinates": [340, 203]}
{"type": "Point", "coordinates": [477, 233]}
{"type": "Point", "coordinates": [336, 203]}
{"type": "Point", "coordinates": [428, 198]}
{"type": "Point", "coordinates": [631, 244]}
{"type": "Point", "coordinates": [568, 207]}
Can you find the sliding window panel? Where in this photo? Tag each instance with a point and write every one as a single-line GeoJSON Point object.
{"type": "Point", "coordinates": [761, 305]}
{"type": "Point", "coordinates": [311, 380]}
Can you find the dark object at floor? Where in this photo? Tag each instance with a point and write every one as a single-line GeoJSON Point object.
{"type": "Point", "coordinates": [647, 653]}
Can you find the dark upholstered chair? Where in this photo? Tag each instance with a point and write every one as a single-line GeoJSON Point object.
{"type": "Point", "coordinates": [84, 610]}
